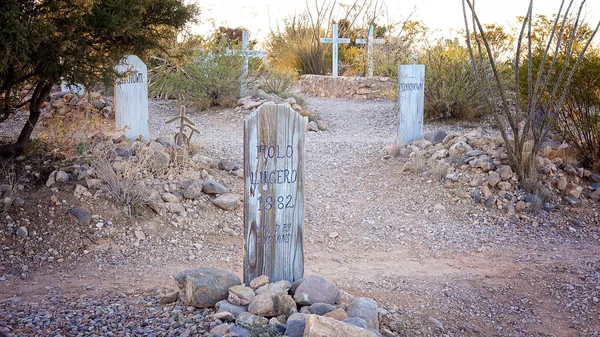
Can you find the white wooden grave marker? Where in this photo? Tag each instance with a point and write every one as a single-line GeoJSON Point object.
{"type": "Point", "coordinates": [246, 54]}
{"type": "Point", "coordinates": [411, 97]}
{"type": "Point", "coordinates": [274, 193]}
{"type": "Point", "coordinates": [74, 88]}
{"type": "Point", "coordinates": [370, 42]}
{"type": "Point", "coordinates": [335, 40]}
{"type": "Point", "coordinates": [131, 98]}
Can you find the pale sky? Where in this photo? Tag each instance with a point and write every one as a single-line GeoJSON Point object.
{"type": "Point", "coordinates": [259, 15]}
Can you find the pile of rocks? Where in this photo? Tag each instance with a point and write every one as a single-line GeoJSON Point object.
{"type": "Point", "coordinates": [66, 104]}
{"type": "Point", "coordinates": [309, 307]}
{"type": "Point", "coordinates": [480, 163]}
{"type": "Point", "coordinates": [315, 122]}
{"type": "Point", "coordinates": [120, 157]}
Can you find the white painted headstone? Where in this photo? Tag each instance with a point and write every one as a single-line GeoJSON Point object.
{"type": "Point", "coordinates": [74, 88]}
{"type": "Point", "coordinates": [246, 54]}
{"type": "Point", "coordinates": [335, 40]}
{"type": "Point", "coordinates": [370, 42]}
{"type": "Point", "coordinates": [274, 193]}
{"type": "Point", "coordinates": [131, 98]}
{"type": "Point", "coordinates": [411, 98]}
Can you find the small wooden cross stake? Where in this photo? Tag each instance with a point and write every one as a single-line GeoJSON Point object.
{"type": "Point", "coordinates": [181, 136]}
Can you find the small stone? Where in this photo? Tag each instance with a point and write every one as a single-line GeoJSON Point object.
{"type": "Point", "coordinates": [214, 187]}
{"type": "Point", "coordinates": [220, 330]}
{"type": "Point", "coordinates": [333, 235]}
{"type": "Point", "coordinates": [505, 172]}
{"type": "Point", "coordinates": [22, 232]}
{"type": "Point", "coordinates": [316, 289]}
{"type": "Point", "coordinates": [573, 201]}
{"type": "Point", "coordinates": [504, 185]}
{"type": "Point", "coordinates": [240, 295]}
{"type": "Point", "coordinates": [263, 305]}
{"type": "Point", "coordinates": [227, 201]}
{"type": "Point", "coordinates": [312, 126]}
{"type": "Point", "coordinates": [321, 308]}
{"type": "Point", "coordinates": [169, 297]}
{"type": "Point", "coordinates": [296, 325]}
{"type": "Point", "coordinates": [339, 314]}
{"type": "Point", "coordinates": [562, 184]}
{"type": "Point", "coordinates": [227, 165]}
{"type": "Point", "coordinates": [280, 287]}
{"type": "Point", "coordinates": [439, 207]}
{"type": "Point", "coordinates": [319, 326]}
{"type": "Point", "coordinates": [438, 137]}
{"type": "Point", "coordinates": [203, 287]}
{"type": "Point", "coordinates": [477, 196]}
{"type": "Point", "coordinates": [169, 197]}
{"type": "Point", "coordinates": [224, 316]}
{"type": "Point", "coordinates": [490, 201]}
{"type": "Point", "coordinates": [247, 319]}
{"type": "Point", "coordinates": [140, 235]}
{"type": "Point", "coordinates": [225, 306]}
{"type": "Point", "coordinates": [83, 217]}
{"type": "Point", "coordinates": [259, 281]}
{"type": "Point", "coordinates": [365, 308]}
{"type": "Point", "coordinates": [193, 189]}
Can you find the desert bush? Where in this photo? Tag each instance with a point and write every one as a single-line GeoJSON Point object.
{"type": "Point", "coordinates": [450, 84]}
{"type": "Point", "coordinates": [578, 121]}
{"type": "Point", "coordinates": [125, 186]}
{"type": "Point", "coordinates": [212, 78]}
{"type": "Point", "coordinates": [276, 81]}
{"type": "Point", "coordinates": [566, 38]}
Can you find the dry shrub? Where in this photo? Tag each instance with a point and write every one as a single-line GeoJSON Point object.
{"type": "Point", "coordinates": [439, 170]}
{"type": "Point", "coordinates": [416, 165]}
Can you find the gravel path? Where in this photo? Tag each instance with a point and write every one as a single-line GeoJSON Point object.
{"type": "Point", "coordinates": [421, 250]}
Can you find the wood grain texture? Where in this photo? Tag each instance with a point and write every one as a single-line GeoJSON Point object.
{"type": "Point", "coordinates": [131, 99]}
{"type": "Point", "coordinates": [411, 97]}
{"type": "Point", "coordinates": [274, 194]}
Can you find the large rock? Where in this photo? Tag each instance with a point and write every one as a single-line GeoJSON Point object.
{"type": "Point", "coordinates": [316, 289]}
{"type": "Point", "coordinates": [296, 324]}
{"type": "Point", "coordinates": [227, 201]}
{"type": "Point", "coordinates": [319, 326]}
{"type": "Point", "coordinates": [264, 305]}
{"type": "Point", "coordinates": [460, 148]}
{"type": "Point", "coordinates": [321, 308]}
{"type": "Point", "coordinates": [203, 287]}
{"type": "Point", "coordinates": [214, 187]}
{"type": "Point", "coordinates": [193, 189]}
{"type": "Point", "coordinates": [365, 308]}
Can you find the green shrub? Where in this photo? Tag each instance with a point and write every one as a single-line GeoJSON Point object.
{"type": "Point", "coordinates": [213, 78]}
{"type": "Point", "coordinates": [579, 120]}
{"type": "Point", "coordinates": [450, 84]}
{"type": "Point", "coordinates": [276, 81]}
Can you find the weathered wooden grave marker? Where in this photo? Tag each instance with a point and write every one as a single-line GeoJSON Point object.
{"type": "Point", "coordinates": [131, 98]}
{"type": "Point", "coordinates": [411, 96]}
{"type": "Point", "coordinates": [335, 40]}
{"type": "Point", "coordinates": [274, 194]}
{"type": "Point", "coordinates": [246, 54]}
{"type": "Point", "coordinates": [370, 42]}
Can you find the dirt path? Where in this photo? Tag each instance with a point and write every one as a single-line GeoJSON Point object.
{"type": "Point", "coordinates": [430, 255]}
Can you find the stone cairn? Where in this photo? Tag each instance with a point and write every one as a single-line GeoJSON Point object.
{"type": "Point", "coordinates": [479, 163]}
{"type": "Point", "coordinates": [311, 306]}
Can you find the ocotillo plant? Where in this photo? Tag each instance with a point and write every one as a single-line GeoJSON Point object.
{"type": "Point", "coordinates": [181, 136]}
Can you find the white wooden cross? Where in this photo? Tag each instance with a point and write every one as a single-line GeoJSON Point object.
{"type": "Point", "coordinates": [334, 41]}
{"type": "Point", "coordinates": [245, 53]}
{"type": "Point", "coordinates": [370, 42]}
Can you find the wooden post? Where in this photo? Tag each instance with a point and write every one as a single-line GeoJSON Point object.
{"type": "Point", "coordinates": [131, 98]}
{"type": "Point", "coordinates": [370, 44]}
{"type": "Point", "coordinates": [335, 40]}
{"type": "Point", "coordinates": [274, 194]}
{"type": "Point", "coordinates": [411, 97]}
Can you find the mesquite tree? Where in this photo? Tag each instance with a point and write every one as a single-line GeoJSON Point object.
{"type": "Point", "coordinates": [525, 124]}
{"type": "Point", "coordinates": [78, 41]}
